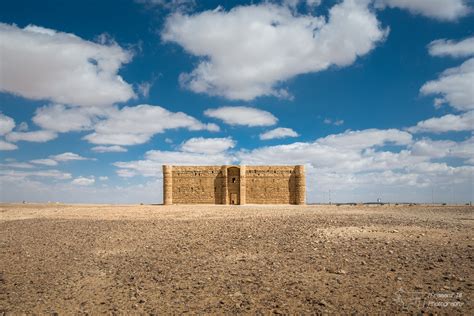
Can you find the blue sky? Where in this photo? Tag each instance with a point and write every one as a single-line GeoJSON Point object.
{"type": "Point", "coordinates": [376, 97]}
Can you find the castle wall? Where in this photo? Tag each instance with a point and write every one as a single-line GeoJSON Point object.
{"type": "Point", "coordinates": [273, 185]}
{"type": "Point", "coordinates": [197, 185]}
{"type": "Point", "coordinates": [233, 185]}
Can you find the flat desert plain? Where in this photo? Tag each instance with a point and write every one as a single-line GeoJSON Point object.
{"type": "Point", "coordinates": [210, 259]}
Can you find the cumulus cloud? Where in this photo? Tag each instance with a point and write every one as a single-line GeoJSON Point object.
{"type": "Point", "coordinates": [154, 159]}
{"type": "Point", "coordinates": [41, 136]}
{"type": "Point", "coordinates": [109, 149]}
{"type": "Point", "coordinates": [6, 124]}
{"type": "Point", "coordinates": [136, 125]}
{"type": "Point", "coordinates": [208, 145]}
{"type": "Point", "coordinates": [444, 148]}
{"type": "Point", "coordinates": [18, 175]}
{"type": "Point", "coordinates": [45, 162]}
{"type": "Point", "coordinates": [366, 138]}
{"type": "Point", "coordinates": [7, 146]}
{"type": "Point", "coordinates": [280, 132]}
{"type": "Point", "coordinates": [56, 65]}
{"type": "Point", "coordinates": [295, 3]}
{"type": "Point", "coordinates": [447, 10]}
{"type": "Point", "coordinates": [444, 47]}
{"type": "Point", "coordinates": [144, 89]}
{"type": "Point", "coordinates": [22, 127]}
{"type": "Point", "coordinates": [53, 160]}
{"type": "Point", "coordinates": [454, 86]}
{"type": "Point", "coordinates": [83, 181]}
{"type": "Point", "coordinates": [172, 5]}
{"type": "Point", "coordinates": [251, 50]}
{"type": "Point", "coordinates": [446, 123]}
{"type": "Point", "coordinates": [62, 119]}
{"type": "Point", "coordinates": [68, 156]}
{"type": "Point", "coordinates": [14, 190]}
{"type": "Point", "coordinates": [242, 115]}
{"type": "Point", "coordinates": [355, 165]}
{"type": "Point", "coordinates": [333, 122]}
{"type": "Point", "coordinates": [15, 164]}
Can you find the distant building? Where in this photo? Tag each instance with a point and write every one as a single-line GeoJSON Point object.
{"type": "Point", "coordinates": [234, 184]}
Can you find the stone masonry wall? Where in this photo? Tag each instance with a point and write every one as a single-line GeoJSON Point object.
{"type": "Point", "coordinates": [233, 185]}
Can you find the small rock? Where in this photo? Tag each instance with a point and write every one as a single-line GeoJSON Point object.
{"type": "Point", "coordinates": [323, 303]}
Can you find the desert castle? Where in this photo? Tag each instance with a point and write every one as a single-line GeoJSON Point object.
{"type": "Point", "coordinates": [234, 184]}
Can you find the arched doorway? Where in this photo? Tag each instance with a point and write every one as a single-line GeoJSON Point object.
{"type": "Point", "coordinates": [233, 185]}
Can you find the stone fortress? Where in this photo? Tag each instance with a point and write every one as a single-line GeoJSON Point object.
{"type": "Point", "coordinates": [234, 184]}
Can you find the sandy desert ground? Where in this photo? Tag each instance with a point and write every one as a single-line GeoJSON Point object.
{"type": "Point", "coordinates": [236, 259]}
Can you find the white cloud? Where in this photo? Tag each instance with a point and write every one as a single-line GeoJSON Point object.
{"type": "Point", "coordinates": [61, 67]}
{"type": "Point", "coordinates": [109, 149]}
{"type": "Point", "coordinates": [444, 47]}
{"type": "Point", "coordinates": [6, 124]}
{"type": "Point", "coordinates": [41, 136]}
{"type": "Point", "coordinates": [136, 125]}
{"type": "Point", "coordinates": [22, 127]}
{"type": "Point", "coordinates": [333, 122]}
{"type": "Point", "coordinates": [280, 132]}
{"type": "Point", "coordinates": [83, 181]}
{"type": "Point", "coordinates": [62, 119]}
{"type": "Point", "coordinates": [242, 115]}
{"type": "Point", "coordinates": [154, 159]}
{"type": "Point", "coordinates": [446, 123]}
{"type": "Point", "coordinates": [30, 190]}
{"type": "Point", "coordinates": [444, 148]}
{"type": "Point", "coordinates": [46, 162]}
{"type": "Point", "coordinates": [7, 146]}
{"type": "Point", "coordinates": [68, 156]}
{"type": "Point", "coordinates": [173, 5]}
{"type": "Point", "coordinates": [14, 174]}
{"type": "Point", "coordinates": [447, 10]}
{"type": "Point", "coordinates": [366, 138]}
{"type": "Point", "coordinates": [208, 145]}
{"type": "Point", "coordinates": [311, 4]}
{"type": "Point", "coordinates": [144, 89]}
{"type": "Point", "coordinates": [53, 160]}
{"type": "Point", "coordinates": [15, 164]}
{"type": "Point", "coordinates": [251, 50]}
{"type": "Point", "coordinates": [103, 178]}
{"type": "Point", "coordinates": [455, 85]}
{"type": "Point", "coordinates": [355, 165]}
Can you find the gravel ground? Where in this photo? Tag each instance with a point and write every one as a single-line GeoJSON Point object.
{"type": "Point", "coordinates": [236, 259]}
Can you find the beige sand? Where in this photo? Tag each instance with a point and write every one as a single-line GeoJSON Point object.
{"type": "Point", "coordinates": [236, 259]}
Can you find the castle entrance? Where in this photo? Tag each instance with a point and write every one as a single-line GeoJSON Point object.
{"type": "Point", "coordinates": [233, 185]}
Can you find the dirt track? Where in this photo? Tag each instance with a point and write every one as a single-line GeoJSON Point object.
{"type": "Point", "coordinates": [245, 259]}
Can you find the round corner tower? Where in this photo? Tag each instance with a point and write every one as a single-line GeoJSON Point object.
{"type": "Point", "coordinates": [167, 184]}
{"type": "Point", "coordinates": [300, 185]}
